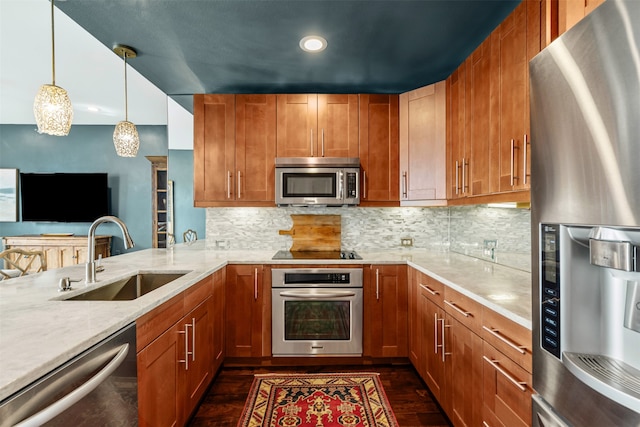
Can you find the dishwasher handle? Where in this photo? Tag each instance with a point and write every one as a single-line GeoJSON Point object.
{"type": "Point", "coordinates": [72, 398]}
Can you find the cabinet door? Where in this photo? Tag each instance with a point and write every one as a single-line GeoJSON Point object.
{"type": "Point", "coordinates": [479, 117]}
{"type": "Point", "coordinates": [160, 384]}
{"type": "Point", "coordinates": [513, 43]}
{"type": "Point", "coordinates": [379, 150]}
{"type": "Point", "coordinates": [423, 143]}
{"type": "Point", "coordinates": [213, 148]}
{"type": "Point", "coordinates": [387, 312]}
{"type": "Point", "coordinates": [570, 12]}
{"type": "Point", "coordinates": [69, 255]}
{"type": "Point", "coordinates": [255, 148]}
{"type": "Point", "coordinates": [456, 125]}
{"type": "Point", "coordinates": [415, 338]}
{"type": "Point", "coordinates": [466, 374]}
{"type": "Point", "coordinates": [337, 126]}
{"type": "Point", "coordinates": [507, 389]}
{"type": "Point", "coordinates": [297, 127]}
{"type": "Point", "coordinates": [198, 372]}
{"type": "Point", "coordinates": [433, 331]}
{"type": "Point", "coordinates": [217, 315]}
{"type": "Point", "coordinates": [244, 324]}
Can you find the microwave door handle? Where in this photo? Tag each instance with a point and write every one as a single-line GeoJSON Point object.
{"type": "Point", "coordinates": [340, 185]}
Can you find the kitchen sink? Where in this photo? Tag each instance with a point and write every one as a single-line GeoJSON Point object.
{"type": "Point", "coordinates": [128, 288]}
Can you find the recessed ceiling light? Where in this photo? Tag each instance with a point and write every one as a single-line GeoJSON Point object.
{"type": "Point", "coordinates": [313, 44]}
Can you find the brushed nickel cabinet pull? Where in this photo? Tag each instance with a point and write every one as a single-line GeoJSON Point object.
{"type": "Point", "coordinates": [520, 384]}
{"type": "Point", "coordinates": [435, 333]}
{"type": "Point", "coordinates": [524, 167]}
{"type": "Point", "coordinates": [496, 333]}
{"type": "Point", "coordinates": [364, 184]}
{"type": "Point", "coordinates": [484, 424]}
{"type": "Point", "coordinates": [464, 181]}
{"type": "Point", "coordinates": [228, 184]}
{"type": "Point", "coordinates": [239, 187]}
{"type": "Point", "coordinates": [405, 184]}
{"type": "Point", "coordinates": [377, 284]}
{"type": "Point", "coordinates": [186, 347]}
{"type": "Point", "coordinates": [322, 142]}
{"type": "Point", "coordinates": [193, 339]}
{"type": "Point", "coordinates": [457, 176]}
{"type": "Point", "coordinates": [428, 289]}
{"type": "Point", "coordinates": [512, 162]}
{"type": "Point", "coordinates": [255, 284]}
{"type": "Point", "coordinates": [444, 351]}
{"type": "Point", "coordinates": [458, 309]}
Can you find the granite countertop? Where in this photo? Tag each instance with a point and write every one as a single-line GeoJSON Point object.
{"type": "Point", "coordinates": [39, 331]}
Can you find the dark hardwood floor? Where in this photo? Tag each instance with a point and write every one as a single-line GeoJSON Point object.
{"type": "Point", "coordinates": [412, 403]}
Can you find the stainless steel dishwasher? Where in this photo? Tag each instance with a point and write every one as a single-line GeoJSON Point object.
{"type": "Point", "coordinates": [96, 388]}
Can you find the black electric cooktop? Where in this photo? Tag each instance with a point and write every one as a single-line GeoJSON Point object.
{"type": "Point", "coordinates": [316, 255]}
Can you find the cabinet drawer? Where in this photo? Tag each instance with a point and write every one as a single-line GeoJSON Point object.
{"type": "Point", "coordinates": [507, 336]}
{"type": "Point", "coordinates": [430, 288]}
{"type": "Point", "coordinates": [507, 388]}
{"type": "Point", "coordinates": [198, 293]}
{"type": "Point", "coordinates": [464, 309]}
{"type": "Point", "coordinates": [154, 323]}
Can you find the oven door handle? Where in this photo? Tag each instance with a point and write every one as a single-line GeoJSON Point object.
{"type": "Point", "coordinates": [316, 294]}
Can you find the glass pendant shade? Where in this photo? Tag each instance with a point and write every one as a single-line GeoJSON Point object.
{"type": "Point", "coordinates": [53, 110]}
{"type": "Point", "coordinates": [126, 139]}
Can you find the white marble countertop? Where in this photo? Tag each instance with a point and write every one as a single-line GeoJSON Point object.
{"type": "Point", "coordinates": [39, 331]}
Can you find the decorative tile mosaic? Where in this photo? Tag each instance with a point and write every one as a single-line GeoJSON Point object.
{"type": "Point", "coordinates": [459, 229]}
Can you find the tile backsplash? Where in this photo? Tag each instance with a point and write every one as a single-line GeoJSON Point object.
{"type": "Point", "coordinates": [459, 229]}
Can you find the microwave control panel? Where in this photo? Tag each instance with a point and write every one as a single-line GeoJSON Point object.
{"type": "Point", "coordinates": [352, 185]}
{"type": "Point", "coordinates": [550, 288]}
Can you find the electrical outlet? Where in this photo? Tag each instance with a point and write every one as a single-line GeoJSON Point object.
{"type": "Point", "coordinates": [406, 241]}
{"type": "Point", "coordinates": [489, 249]}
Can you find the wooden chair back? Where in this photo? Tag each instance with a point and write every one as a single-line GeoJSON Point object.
{"type": "Point", "coordinates": [19, 262]}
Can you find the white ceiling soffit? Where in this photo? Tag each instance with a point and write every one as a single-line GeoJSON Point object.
{"type": "Point", "coordinates": [92, 73]}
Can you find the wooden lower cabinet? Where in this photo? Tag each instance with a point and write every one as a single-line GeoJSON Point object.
{"type": "Point", "coordinates": [176, 358]}
{"type": "Point", "coordinates": [249, 317]}
{"type": "Point", "coordinates": [507, 389]}
{"type": "Point", "coordinates": [218, 319]}
{"type": "Point", "coordinates": [385, 311]}
{"type": "Point", "coordinates": [456, 344]}
{"type": "Point", "coordinates": [59, 251]}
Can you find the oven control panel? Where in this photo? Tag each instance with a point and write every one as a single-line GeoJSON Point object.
{"type": "Point", "coordinates": [550, 288]}
{"type": "Point", "coordinates": [316, 277]}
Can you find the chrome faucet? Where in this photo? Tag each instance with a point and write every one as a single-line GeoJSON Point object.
{"type": "Point", "coordinates": [90, 268]}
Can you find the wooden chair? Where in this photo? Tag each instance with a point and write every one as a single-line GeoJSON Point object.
{"type": "Point", "coordinates": [190, 236]}
{"type": "Point", "coordinates": [19, 262]}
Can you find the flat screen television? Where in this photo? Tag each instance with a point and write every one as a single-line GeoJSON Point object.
{"type": "Point", "coordinates": [64, 197]}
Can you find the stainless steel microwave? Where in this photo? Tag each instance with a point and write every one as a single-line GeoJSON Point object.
{"type": "Point", "coordinates": [317, 181]}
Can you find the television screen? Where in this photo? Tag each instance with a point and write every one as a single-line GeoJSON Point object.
{"type": "Point", "coordinates": [64, 197]}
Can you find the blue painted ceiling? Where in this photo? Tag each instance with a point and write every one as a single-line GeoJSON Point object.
{"type": "Point", "coordinates": [248, 46]}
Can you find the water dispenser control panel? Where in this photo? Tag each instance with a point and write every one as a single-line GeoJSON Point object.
{"type": "Point", "coordinates": [550, 288]}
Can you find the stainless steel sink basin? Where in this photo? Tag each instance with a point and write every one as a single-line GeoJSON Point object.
{"type": "Point", "coordinates": [129, 288]}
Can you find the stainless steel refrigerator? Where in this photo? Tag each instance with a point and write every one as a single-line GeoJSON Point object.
{"type": "Point", "coordinates": [585, 204]}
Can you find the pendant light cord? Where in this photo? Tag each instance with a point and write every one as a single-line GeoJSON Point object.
{"type": "Point", "coordinates": [53, 48]}
{"type": "Point", "coordinates": [126, 101]}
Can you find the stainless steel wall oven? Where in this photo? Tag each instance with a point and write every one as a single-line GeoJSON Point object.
{"type": "Point", "coordinates": [317, 312]}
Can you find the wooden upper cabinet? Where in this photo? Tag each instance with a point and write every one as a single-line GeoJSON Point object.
{"type": "Point", "coordinates": [213, 148]}
{"type": "Point", "coordinates": [513, 43]}
{"type": "Point", "coordinates": [423, 146]}
{"type": "Point", "coordinates": [379, 150]}
{"type": "Point", "coordinates": [570, 12]}
{"type": "Point", "coordinates": [457, 156]}
{"type": "Point", "coordinates": [317, 125]}
{"type": "Point", "coordinates": [234, 150]}
{"type": "Point", "coordinates": [255, 148]}
{"type": "Point", "coordinates": [478, 107]}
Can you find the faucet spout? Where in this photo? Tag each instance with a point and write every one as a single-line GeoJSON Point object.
{"type": "Point", "coordinates": [91, 250]}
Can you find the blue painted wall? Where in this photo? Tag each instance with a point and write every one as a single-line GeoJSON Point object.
{"type": "Point", "coordinates": [185, 215]}
{"type": "Point", "coordinates": [88, 149]}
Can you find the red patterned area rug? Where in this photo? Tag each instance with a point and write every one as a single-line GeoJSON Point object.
{"type": "Point", "coordinates": [317, 400]}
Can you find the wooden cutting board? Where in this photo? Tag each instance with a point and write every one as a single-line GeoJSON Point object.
{"type": "Point", "coordinates": [315, 233]}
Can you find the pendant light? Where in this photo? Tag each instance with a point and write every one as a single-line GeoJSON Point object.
{"type": "Point", "coordinates": [52, 106]}
{"type": "Point", "coordinates": [125, 135]}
